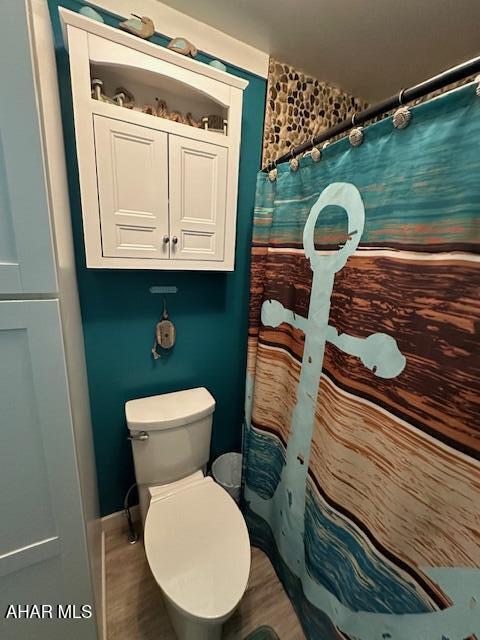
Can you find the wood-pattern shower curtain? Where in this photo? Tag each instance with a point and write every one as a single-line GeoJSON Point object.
{"type": "Point", "coordinates": [362, 435]}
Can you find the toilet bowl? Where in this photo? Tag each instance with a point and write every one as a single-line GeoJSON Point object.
{"type": "Point", "coordinates": [196, 539]}
{"type": "Point", "coordinates": [198, 549]}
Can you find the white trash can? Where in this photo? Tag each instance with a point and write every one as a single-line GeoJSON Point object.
{"type": "Point", "coordinates": [227, 471]}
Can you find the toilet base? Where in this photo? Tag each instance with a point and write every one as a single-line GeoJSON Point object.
{"type": "Point", "coordinates": [188, 629]}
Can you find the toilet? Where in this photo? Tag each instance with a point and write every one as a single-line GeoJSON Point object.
{"type": "Point", "coordinates": [196, 540]}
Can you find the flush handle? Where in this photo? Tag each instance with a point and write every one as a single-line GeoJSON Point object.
{"type": "Point", "coordinates": [141, 435]}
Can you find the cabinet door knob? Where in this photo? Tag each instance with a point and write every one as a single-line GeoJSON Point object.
{"type": "Point", "coordinates": [174, 239]}
{"type": "Point", "coordinates": [166, 239]}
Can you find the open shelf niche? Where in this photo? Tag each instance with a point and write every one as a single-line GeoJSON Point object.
{"type": "Point", "coordinates": [149, 88]}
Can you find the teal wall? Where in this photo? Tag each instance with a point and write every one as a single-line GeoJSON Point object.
{"type": "Point", "coordinates": [119, 314]}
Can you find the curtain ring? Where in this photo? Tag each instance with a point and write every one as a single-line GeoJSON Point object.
{"type": "Point", "coordinates": [315, 153]}
{"type": "Point", "coordinates": [272, 174]}
{"type": "Point", "coordinates": [356, 134]}
{"type": "Point", "coordinates": [402, 116]}
{"type": "Point", "coordinates": [294, 163]}
{"type": "Point", "coordinates": [355, 137]}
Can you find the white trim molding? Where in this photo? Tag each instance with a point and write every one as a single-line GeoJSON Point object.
{"type": "Point", "coordinates": [173, 23]}
{"type": "Point", "coordinates": [117, 521]}
{"type": "Point", "coordinates": [103, 623]}
{"type": "Point", "coordinates": [100, 49]}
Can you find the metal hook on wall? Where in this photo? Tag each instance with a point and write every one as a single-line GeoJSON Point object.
{"type": "Point", "coordinates": [165, 333]}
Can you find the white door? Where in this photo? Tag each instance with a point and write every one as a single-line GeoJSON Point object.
{"type": "Point", "coordinates": [198, 189]}
{"type": "Point", "coordinates": [27, 263]}
{"type": "Point", "coordinates": [43, 555]}
{"type": "Point", "coordinates": [132, 173]}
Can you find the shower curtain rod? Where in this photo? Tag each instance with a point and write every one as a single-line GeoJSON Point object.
{"type": "Point", "coordinates": [454, 74]}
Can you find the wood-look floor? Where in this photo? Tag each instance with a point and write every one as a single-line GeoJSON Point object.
{"type": "Point", "coordinates": [135, 610]}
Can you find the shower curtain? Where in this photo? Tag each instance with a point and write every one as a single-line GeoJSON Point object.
{"type": "Point", "coordinates": [362, 434]}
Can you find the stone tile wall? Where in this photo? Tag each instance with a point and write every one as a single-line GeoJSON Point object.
{"type": "Point", "coordinates": [299, 107]}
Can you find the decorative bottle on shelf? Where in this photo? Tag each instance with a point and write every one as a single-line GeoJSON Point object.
{"type": "Point", "coordinates": [215, 123]}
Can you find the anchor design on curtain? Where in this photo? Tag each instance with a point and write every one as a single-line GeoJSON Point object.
{"type": "Point", "coordinates": [285, 510]}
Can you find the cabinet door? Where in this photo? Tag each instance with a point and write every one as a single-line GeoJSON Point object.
{"type": "Point", "coordinates": [43, 556]}
{"type": "Point", "coordinates": [27, 263]}
{"type": "Point", "coordinates": [132, 174]}
{"type": "Point", "coordinates": [198, 189]}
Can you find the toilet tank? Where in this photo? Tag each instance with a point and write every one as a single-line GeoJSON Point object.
{"type": "Point", "coordinates": [170, 436]}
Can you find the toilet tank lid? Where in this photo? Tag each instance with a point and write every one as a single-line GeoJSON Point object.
{"type": "Point", "coordinates": [169, 410]}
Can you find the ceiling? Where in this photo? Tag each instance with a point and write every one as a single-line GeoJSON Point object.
{"type": "Point", "coordinates": [371, 48]}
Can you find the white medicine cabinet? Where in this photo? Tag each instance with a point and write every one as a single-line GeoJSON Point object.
{"type": "Point", "coordinates": [157, 191]}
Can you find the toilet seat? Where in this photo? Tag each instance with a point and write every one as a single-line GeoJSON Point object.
{"type": "Point", "coordinates": [198, 549]}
